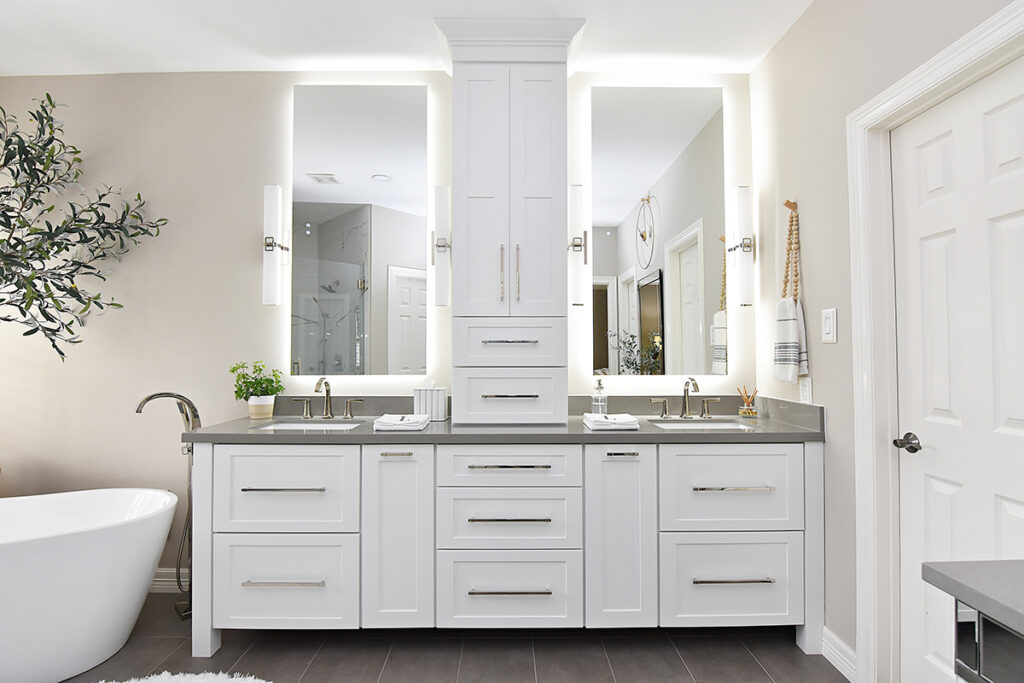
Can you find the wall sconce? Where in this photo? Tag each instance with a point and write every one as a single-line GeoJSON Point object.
{"type": "Point", "coordinates": [580, 287]}
{"type": "Point", "coordinates": [742, 249]}
{"type": "Point", "coordinates": [274, 250]}
{"type": "Point", "coordinates": [440, 244]}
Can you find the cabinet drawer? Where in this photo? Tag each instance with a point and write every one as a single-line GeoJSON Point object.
{"type": "Point", "coordinates": [510, 588]}
{"type": "Point", "coordinates": [286, 581]}
{"type": "Point", "coordinates": [501, 518]}
{"type": "Point", "coordinates": [731, 487]}
{"type": "Point", "coordinates": [732, 579]}
{"type": "Point", "coordinates": [486, 342]}
{"type": "Point", "coordinates": [508, 465]}
{"type": "Point", "coordinates": [510, 395]}
{"type": "Point", "coordinates": [286, 488]}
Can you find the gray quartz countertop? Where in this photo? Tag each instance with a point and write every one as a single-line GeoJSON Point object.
{"type": "Point", "coordinates": [246, 431]}
{"type": "Point", "coordinates": [993, 587]}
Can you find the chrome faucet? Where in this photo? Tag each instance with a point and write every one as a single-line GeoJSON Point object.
{"type": "Point", "coordinates": [690, 382]}
{"type": "Point", "coordinates": [188, 410]}
{"type": "Point", "coordinates": [190, 416]}
{"type": "Point", "coordinates": [322, 383]}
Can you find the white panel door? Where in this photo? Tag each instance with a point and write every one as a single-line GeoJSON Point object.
{"type": "Point", "coordinates": [398, 536]}
{"type": "Point", "coordinates": [407, 321]}
{"type": "Point", "coordinates": [480, 205]}
{"type": "Point", "coordinates": [622, 535]}
{"type": "Point", "coordinates": [958, 205]}
{"type": "Point", "coordinates": [691, 311]}
{"type": "Point", "coordinates": [538, 213]}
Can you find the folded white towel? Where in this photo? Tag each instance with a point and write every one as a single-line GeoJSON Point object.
{"type": "Point", "coordinates": [401, 423]}
{"type": "Point", "coordinates": [600, 421]}
{"type": "Point", "coordinates": [719, 338]}
{"type": "Point", "coordinates": [790, 342]}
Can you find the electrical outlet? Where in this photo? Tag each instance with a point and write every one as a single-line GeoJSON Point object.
{"type": "Point", "coordinates": [828, 326]}
{"type": "Point", "coordinates": [805, 390]}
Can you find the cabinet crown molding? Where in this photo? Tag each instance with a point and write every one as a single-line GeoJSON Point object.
{"type": "Point", "coordinates": [510, 40]}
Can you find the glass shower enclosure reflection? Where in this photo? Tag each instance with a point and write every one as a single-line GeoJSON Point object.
{"type": "Point", "coordinates": [329, 289]}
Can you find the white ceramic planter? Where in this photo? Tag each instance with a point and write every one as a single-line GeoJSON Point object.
{"type": "Point", "coordinates": [261, 407]}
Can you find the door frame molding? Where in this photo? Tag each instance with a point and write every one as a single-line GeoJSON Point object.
{"type": "Point", "coordinates": [993, 44]}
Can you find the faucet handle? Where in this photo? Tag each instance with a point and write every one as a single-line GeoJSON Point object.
{"type": "Point", "coordinates": [348, 407]}
{"type": "Point", "coordinates": [664, 406]}
{"type": "Point", "coordinates": [705, 412]}
{"type": "Point", "coordinates": [306, 412]}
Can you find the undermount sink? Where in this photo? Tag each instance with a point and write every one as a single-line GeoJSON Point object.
{"type": "Point", "coordinates": [311, 425]}
{"type": "Point", "coordinates": [701, 424]}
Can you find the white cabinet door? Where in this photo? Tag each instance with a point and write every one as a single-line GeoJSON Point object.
{"type": "Point", "coordinates": [398, 536]}
{"type": "Point", "coordinates": [622, 535]}
{"type": "Point", "coordinates": [538, 189]}
{"type": "Point", "coordinates": [480, 168]}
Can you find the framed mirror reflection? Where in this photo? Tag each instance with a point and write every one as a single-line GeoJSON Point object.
{"type": "Point", "coordinates": [359, 203]}
{"type": "Point", "coordinates": [658, 231]}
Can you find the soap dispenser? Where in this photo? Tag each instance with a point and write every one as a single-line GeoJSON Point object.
{"type": "Point", "coordinates": [599, 400]}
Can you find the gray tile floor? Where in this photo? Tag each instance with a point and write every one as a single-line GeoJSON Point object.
{"type": "Point", "coordinates": [765, 655]}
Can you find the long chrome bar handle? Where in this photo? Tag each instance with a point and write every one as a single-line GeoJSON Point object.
{"type": "Point", "coordinates": [278, 489]}
{"type": "Point", "coordinates": [724, 582]}
{"type": "Point", "coordinates": [396, 454]}
{"type": "Point", "coordinates": [510, 341]}
{"type": "Point", "coordinates": [473, 591]}
{"type": "Point", "coordinates": [517, 273]}
{"type": "Point", "coordinates": [501, 276]}
{"type": "Point", "coordinates": [271, 584]}
{"type": "Point", "coordinates": [539, 520]}
{"type": "Point", "coordinates": [508, 467]}
{"type": "Point", "coordinates": [615, 454]}
{"type": "Point", "coordinates": [727, 489]}
{"type": "Point", "coordinates": [509, 395]}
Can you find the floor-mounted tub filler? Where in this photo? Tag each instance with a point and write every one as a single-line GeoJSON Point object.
{"type": "Point", "coordinates": [75, 569]}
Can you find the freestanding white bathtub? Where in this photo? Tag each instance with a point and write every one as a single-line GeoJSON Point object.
{"type": "Point", "coordinates": [74, 571]}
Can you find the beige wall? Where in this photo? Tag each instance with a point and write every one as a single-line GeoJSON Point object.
{"type": "Point", "coordinates": [200, 148]}
{"type": "Point", "coordinates": [836, 57]}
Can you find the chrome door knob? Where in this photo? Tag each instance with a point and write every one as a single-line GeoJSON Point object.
{"type": "Point", "coordinates": [909, 442]}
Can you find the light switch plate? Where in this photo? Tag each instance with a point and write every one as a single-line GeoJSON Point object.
{"type": "Point", "coordinates": [828, 326]}
{"type": "Point", "coordinates": [805, 390]}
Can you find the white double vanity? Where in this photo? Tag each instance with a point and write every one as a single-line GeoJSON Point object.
{"type": "Point", "coordinates": [506, 527]}
{"type": "Point", "coordinates": [513, 515]}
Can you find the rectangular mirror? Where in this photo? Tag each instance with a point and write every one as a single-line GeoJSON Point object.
{"type": "Point", "coordinates": [658, 231]}
{"type": "Point", "coordinates": [359, 230]}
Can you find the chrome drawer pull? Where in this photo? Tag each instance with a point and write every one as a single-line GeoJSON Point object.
{"type": "Point", "coordinates": [403, 454]}
{"type": "Point", "coordinates": [473, 591]}
{"type": "Point", "coordinates": [272, 584]}
{"type": "Point", "coordinates": [508, 467]}
{"type": "Point", "coordinates": [509, 395]}
{"type": "Point", "coordinates": [254, 489]}
{"type": "Point", "coordinates": [632, 454]}
{"type": "Point", "coordinates": [705, 489]}
{"type": "Point", "coordinates": [510, 341]}
{"type": "Point", "coordinates": [501, 276]}
{"type": "Point", "coordinates": [542, 520]}
{"type": "Point", "coordinates": [709, 582]}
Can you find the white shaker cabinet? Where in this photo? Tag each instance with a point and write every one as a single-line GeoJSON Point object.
{"type": "Point", "coordinates": [509, 227]}
{"type": "Point", "coordinates": [621, 512]}
{"type": "Point", "coordinates": [398, 536]}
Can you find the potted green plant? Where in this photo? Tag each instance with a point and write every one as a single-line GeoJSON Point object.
{"type": "Point", "coordinates": [257, 387]}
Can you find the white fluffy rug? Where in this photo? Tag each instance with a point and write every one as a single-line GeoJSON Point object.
{"type": "Point", "coordinates": [166, 677]}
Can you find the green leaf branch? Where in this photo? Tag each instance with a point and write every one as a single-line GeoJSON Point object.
{"type": "Point", "coordinates": [48, 243]}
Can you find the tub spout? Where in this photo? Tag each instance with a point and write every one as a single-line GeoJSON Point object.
{"type": "Point", "coordinates": [188, 410]}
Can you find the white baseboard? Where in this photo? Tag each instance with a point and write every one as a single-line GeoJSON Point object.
{"type": "Point", "coordinates": [839, 654]}
{"type": "Point", "coordinates": [164, 581]}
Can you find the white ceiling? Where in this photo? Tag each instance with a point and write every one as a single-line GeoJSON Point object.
{"type": "Point", "coordinates": [636, 135]}
{"type": "Point", "coordinates": [355, 131]}
{"type": "Point", "coordinates": [115, 36]}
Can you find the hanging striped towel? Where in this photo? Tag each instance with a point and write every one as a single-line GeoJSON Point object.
{"type": "Point", "coordinates": [719, 337]}
{"type": "Point", "coordinates": [791, 341]}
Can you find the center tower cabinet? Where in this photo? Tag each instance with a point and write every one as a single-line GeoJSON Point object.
{"type": "Point", "coordinates": [509, 219]}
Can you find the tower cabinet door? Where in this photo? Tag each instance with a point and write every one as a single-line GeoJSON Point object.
{"type": "Point", "coordinates": [480, 174]}
{"type": "Point", "coordinates": [621, 539]}
{"type": "Point", "coordinates": [538, 189]}
{"type": "Point", "coordinates": [398, 536]}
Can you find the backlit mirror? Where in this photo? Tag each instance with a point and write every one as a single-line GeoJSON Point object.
{"type": "Point", "coordinates": [359, 205]}
{"type": "Point", "coordinates": [658, 231]}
